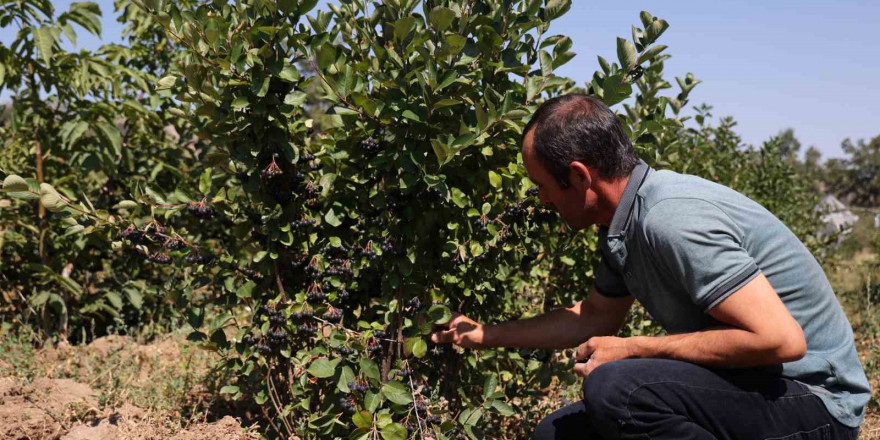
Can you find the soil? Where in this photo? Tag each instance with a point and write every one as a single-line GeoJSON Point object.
{"type": "Point", "coordinates": [46, 407]}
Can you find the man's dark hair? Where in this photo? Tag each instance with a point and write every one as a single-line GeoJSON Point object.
{"type": "Point", "coordinates": [579, 128]}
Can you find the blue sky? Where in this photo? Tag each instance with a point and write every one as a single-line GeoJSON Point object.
{"type": "Point", "coordinates": [809, 65]}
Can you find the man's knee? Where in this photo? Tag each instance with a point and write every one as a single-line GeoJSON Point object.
{"type": "Point", "coordinates": [545, 430]}
{"type": "Point", "coordinates": [607, 389]}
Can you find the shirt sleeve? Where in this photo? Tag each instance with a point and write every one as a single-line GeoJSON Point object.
{"type": "Point", "coordinates": [608, 282]}
{"type": "Point", "coordinates": [701, 247]}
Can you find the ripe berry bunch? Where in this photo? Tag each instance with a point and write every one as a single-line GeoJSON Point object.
{"type": "Point", "coordinates": [345, 351]}
{"type": "Point", "coordinates": [390, 249]}
{"type": "Point", "coordinates": [342, 295]}
{"type": "Point", "coordinates": [332, 315]}
{"type": "Point", "coordinates": [306, 329]}
{"type": "Point", "coordinates": [348, 405]}
{"type": "Point", "coordinates": [302, 223]}
{"type": "Point", "coordinates": [542, 216]}
{"type": "Point", "coordinates": [312, 191]}
{"type": "Point", "coordinates": [175, 244]}
{"type": "Point", "coordinates": [374, 347]}
{"type": "Point", "coordinates": [160, 258]}
{"type": "Point", "coordinates": [369, 254]}
{"type": "Point", "coordinates": [371, 147]}
{"type": "Point", "coordinates": [194, 258]}
{"type": "Point", "coordinates": [276, 317]}
{"type": "Point", "coordinates": [271, 171]}
{"type": "Point", "coordinates": [338, 271]}
{"type": "Point", "coordinates": [313, 272]}
{"type": "Point", "coordinates": [251, 274]}
{"type": "Point", "coordinates": [380, 334]}
{"type": "Point", "coordinates": [515, 211]}
{"type": "Point", "coordinates": [304, 313]}
{"type": "Point", "coordinates": [358, 386]}
{"type": "Point", "coordinates": [480, 224]}
{"type": "Point", "coordinates": [200, 210]}
{"type": "Point", "coordinates": [414, 304]}
{"type": "Point", "coordinates": [532, 192]}
{"type": "Point", "coordinates": [308, 157]}
{"type": "Point", "coordinates": [316, 295]}
{"type": "Point", "coordinates": [132, 234]}
{"type": "Point", "coordinates": [277, 337]}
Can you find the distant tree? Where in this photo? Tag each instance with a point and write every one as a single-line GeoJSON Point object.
{"type": "Point", "coordinates": [789, 145]}
{"type": "Point", "coordinates": [856, 178]}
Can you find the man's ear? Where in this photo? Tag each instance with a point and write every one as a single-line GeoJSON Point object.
{"type": "Point", "coordinates": [579, 175]}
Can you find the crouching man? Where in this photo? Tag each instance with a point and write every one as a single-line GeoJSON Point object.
{"type": "Point", "coordinates": [758, 346]}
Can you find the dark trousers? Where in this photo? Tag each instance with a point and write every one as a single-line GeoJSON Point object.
{"type": "Point", "coordinates": [665, 399]}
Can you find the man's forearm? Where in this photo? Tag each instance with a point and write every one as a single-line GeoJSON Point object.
{"type": "Point", "coordinates": [719, 347]}
{"type": "Point", "coordinates": [557, 329]}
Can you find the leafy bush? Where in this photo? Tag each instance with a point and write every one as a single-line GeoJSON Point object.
{"type": "Point", "coordinates": [353, 180]}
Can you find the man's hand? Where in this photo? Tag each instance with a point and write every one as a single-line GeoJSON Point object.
{"type": "Point", "coordinates": [461, 331]}
{"type": "Point", "coordinates": [600, 350]}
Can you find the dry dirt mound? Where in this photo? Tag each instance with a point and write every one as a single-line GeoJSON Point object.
{"type": "Point", "coordinates": [53, 409]}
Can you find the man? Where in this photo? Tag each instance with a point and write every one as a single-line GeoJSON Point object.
{"type": "Point", "coordinates": [758, 346]}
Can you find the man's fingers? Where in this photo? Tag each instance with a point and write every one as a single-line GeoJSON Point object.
{"type": "Point", "coordinates": [443, 337]}
{"type": "Point", "coordinates": [584, 351]}
{"type": "Point", "coordinates": [580, 369]}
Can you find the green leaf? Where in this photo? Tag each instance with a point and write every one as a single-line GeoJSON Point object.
{"type": "Point", "coordinates": [503, 408]}
{"type": "Point", "coordinates": [651, 53]}
{"type": "Point", "coordinates": [323, 368]}
{"type": "Point", "coordinates": [111, 135]}
{"type": "Point", "coordinates": [419, 348]}
{"type": "Point", "coordinates": [362, 419]}
{"type": "Point", "coordinates": [369, 368]}
{"type": "Point", "coordinates": [346, 376]}
{"type": "Point", "coordinates": [409, 114]}
{"type": "Point", "coordinates": [331, 218]}
{"type": "Point", "coordinates": [397, 392]}
{"type": "Point", "coordinates": [655, 30]}
{"type": "Point", "coordinates": [229, 389]}
{"type": "Point", "coordinates": [126, 204]}
{"type": "Point", "coordinates": [626, 54]}
{"type": "Point", "coordinates": [394, 431]}
{"type": "Point", "coordinates": [546, 63]}
{"type": "Point", "coordinates": [166, 82]}
{"type": "Point", "coordinates": [556, 8]}
{"type": "Point", "coordinates": [13, 183]}
{"type": "Point", "coordinates": [51, 199]}
{"type": "Point", "coordinates": [489, 385]}
{"type": "Point", "coordinates": [615, 89]}
{"type": "Point", "coordinates": [403, 27]}
{"type": "Point", "coordinates": [494, 179]}
{"type": "Point", "coordinates": [295, 98]}
{"type": "Point", "coordinates": [372, 401]}
{"type": "Point", "coordinates": [440, 18]}
{"type": "Point", "coordinates": [439, 313]}
{"type": "Point", "coordinates": [44, 39]}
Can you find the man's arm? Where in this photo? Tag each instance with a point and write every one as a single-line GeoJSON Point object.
{"type": "Point", "coordinates": [759, 331]}
{"type": "Point", "coordinates": [560, 328]}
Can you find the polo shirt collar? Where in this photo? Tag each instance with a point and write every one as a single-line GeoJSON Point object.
{"type": "Point", "coordinates": [627, 200]}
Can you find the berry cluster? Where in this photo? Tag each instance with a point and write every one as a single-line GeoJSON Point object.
{"type": "Point", "coordinates": [194, 258]}
{"type": "Point", "coordinates": [304, 313]}
{"type": "Point", "coordinates": [277, 337]}
{"type": "Point", "coordinates": [380, 334]}
{"type": "Point", "coordinates": [369, 254]}
{"type": "Point", "coordinates": [374, 347]}
{"type": "Point", "coordinates": [160, 258]}
{"type": "Point", "coordinates": [307, 329]}
{"type": "Point", "coordinates": [359, 387]}
{"type": "Point", "coordinates": [479, 224]}
{"type": "Point", "coordinates": [276, 317]}
{"type": "Point", "coordinates": [348, 404]}
{"type": "Point", "coordinates": [414, 304]}
{"type": "Point", "coordinates": [332, 315]}
{"type": "Point", "coordinates": [132, 234]}
{"type": "Point", "coordinates": [251, 274]}
{"type": "Point", "coordinates": [271, 171]}
{"type": "Point", "coordinates": [390, 249]}
{"type": "Point", "coordinates": [200, 211]}
{"type": "Point", "coordinates": [515, 211]}
{"type": "Point", "coordinates": [338, 269]}
{"type": "Point", "coordinates": [371, 147]}
{"type": "Point", "coordinates": [532, 192]}
{"type": "Point", "coordinates": [175, 244]}
{"type": "Point", "coordinates": [302, 223]}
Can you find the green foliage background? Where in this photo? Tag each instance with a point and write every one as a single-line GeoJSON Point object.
{"type": "Point", "coordinates": [313, 191]}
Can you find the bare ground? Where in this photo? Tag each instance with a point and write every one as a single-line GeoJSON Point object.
{"type": "Point", "coordinates": [79, 393]}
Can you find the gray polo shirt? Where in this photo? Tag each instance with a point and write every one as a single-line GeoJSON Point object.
{"type": "Point", "coordinates": [681, 245]}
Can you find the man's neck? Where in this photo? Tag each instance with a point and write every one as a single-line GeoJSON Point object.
{"type": "Point", "coordinates": [610, 193]}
